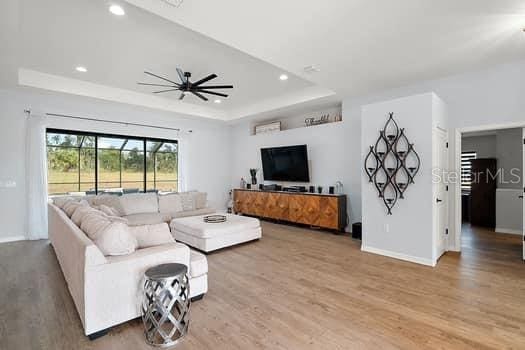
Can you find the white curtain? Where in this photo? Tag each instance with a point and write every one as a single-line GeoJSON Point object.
{"type": "Point", "coordinates": [36, 178]}
{"type": "Point", "coordinates": [183, 141]}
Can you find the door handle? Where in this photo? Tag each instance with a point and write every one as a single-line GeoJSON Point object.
{"type": "Point", "coordinates": [438, 200]}
{"type": "Point", "coordinates": [520, 196]}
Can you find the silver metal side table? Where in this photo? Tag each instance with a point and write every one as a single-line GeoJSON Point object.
{"type": "Point", "coordinates": [166, 304]}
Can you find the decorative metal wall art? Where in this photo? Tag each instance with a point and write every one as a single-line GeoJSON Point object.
{"type": "Point", "coordinates": [392, 163]}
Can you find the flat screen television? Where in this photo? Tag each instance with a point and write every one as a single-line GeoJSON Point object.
{"type": "Point", "coordinates": [288, 163]}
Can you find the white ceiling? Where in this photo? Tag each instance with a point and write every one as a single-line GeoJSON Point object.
{"type": "Point", "coordinates": [59, 35]}
{"type": "Point", "coordinates": [360, 46]}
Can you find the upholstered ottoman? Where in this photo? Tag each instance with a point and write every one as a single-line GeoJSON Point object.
{"type": "Point", "coordinates": [207, 237]}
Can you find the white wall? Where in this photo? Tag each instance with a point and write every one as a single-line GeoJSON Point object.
{"type": "Point", "coordinates": [484, 146]}
{"type": "Point", "coordinates": [326, 146]}
{"type": "Point", "coordinates": [509, 212]}
{"type": "Point", "coordinates": [509, 149]}
{"type": "Point", "coordinates": [209, 143]}
{"type": "Point", "coordinates": [478, 98]}
{"type": "Point", "coordinates": [408, 232]}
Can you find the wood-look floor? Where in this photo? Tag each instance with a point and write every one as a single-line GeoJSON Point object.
{"type": "Point", "coordinates": [297, 289]}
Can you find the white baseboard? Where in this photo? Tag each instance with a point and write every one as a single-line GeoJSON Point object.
{"type": "Point", "coordinates": [400, 256]}
{"type": "Point", "coordinates": [508, 230]}
{"type": "Point", "coordinates": [12, 239]}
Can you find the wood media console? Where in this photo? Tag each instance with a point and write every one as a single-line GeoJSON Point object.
{"type": "Point", "coordinates": [321, 210]}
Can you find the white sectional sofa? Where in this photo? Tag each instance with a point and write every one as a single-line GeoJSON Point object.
{"type": "Point", "coordinates": [152, 208]}
{"type": "Point", "coordinates": [107, 290]}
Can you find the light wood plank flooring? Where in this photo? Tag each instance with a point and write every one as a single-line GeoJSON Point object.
{"type": "Point", "coordinates": [297, 289]}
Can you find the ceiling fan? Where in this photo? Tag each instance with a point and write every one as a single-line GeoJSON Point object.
{"type": "Point", "coordinates": [187, 87]}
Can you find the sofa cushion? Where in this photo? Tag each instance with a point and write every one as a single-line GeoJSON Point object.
{"type": "Point", "coordinates": [80, 212]}
{"type": "Point", "coordinates": [139, 203]}
{"type": "Point", "coordinates": [108, 200]}
{"type": "Point", "coordinates": [170, 203]}
{"type": "Point", "coordinates": [70, 207]}
{"type": "Point", "coordinates": [145, 219]}
{"type": "Point", "coordinates": [199, 199]}
{"type": "Point", "coordinates": [60, 201]}
{"type": "Point", "coordinates": [111, 237]}
{"type": "Point", "coordinates": [187, 201]}
{"type": "Point", "coordinates": [198, 264]}
{"type": "Point", "coordinates": [183, 214]}
{"type": "Point", "coordinates": [108, 210]}
{"type": "Point", "coordinates": [116, 239]}
{"type": "Point", "coordinates": [152, 235]}
{"type": "Point", "coordinates": [93, 222]}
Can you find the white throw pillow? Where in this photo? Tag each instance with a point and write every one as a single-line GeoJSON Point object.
{"type": "Point", "coordinates": [61, 201]}
{"type": "Point", "coordinates": [79, 214]}
{"type": "Point", "coordinates": [152, 235]}
{"type": "Point", "coordinates": [110, 200]}
{"type": "Point", "coordinates": [94, 222]}
{"type": "Point", "coordinates": [199, 199]}
{"type": "Point", "coordinates": [169, 203]}
{"type": "Point", "coordinates": [110, 211]}
{"type": "Point", "coordinates": [137, 203]}
{"type": "Point", "coordinates": [70, 207]}
{"type": "Point", "coordinates": [111, 237]}
{"type": "Point", "coordinates": [187, 201]}
{"type": "Point", "coordinates": [118, 219]}
{"type": "Point", "coordinates": [116, 239]}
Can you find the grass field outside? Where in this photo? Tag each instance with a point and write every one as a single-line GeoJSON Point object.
{"type": "Point", "coordinates": [63, 182]}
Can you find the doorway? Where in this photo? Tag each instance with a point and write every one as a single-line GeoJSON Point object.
{"type": "Point", "coordinates": [491, 190]}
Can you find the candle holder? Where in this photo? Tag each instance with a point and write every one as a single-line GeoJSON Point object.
{"type": "Point", "coordinates": [392, 144]}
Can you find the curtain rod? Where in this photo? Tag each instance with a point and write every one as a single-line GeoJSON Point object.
{"type": "Point", "coordinates": [106, 121]}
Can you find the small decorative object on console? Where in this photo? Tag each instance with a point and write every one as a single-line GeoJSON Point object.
{"type": "Point", "coordinates": [269, 127]}
{"type": "Point", "coordinates": [213, 219]}
{"type": "Point", "coordinates": [319, 189]}
{"type": "Point", "coordinates": [253, 173]}
{"type": "Point", "coordinates": [338, 187]}
{"type": "Point", "coordinates": [325, 118]}
{"type": "Point", "coordinates": [229, 205]}
{"type": "Point", "coordinates": [392, 163]}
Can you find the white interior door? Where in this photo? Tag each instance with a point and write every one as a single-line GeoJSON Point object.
{"type": "Point", "coordinates": [440, 189]}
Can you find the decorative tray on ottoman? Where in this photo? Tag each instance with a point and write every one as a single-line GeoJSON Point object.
{"type": "Point", "coordinates": [213, 219]}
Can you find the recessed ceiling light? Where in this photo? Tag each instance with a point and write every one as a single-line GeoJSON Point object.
{"type": "Point", "coordinates": [117, 10]}
{"type": "Point", "coordinates": [81, 69]}
{"type": "Point", "coordinates": [283, 77]}
{"type": "Point", "coordinates": [217, 101]}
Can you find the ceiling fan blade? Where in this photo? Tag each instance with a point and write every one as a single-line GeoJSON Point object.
{"type": "Point", "coordinates": [203, 80]}
{"type": "Point", "coordinates": [158, 92]}
{"type": "Point", "coordinates": [215, 87]}
{"type": "Point", "coordinates": [182, 96]}
{"type": "Point", "coordinates": [148, 84]}
{"type": "Point", "coordinates": [180, 72]}
{"type": "Point", "coordinates": [157, 76]}
{"type": "Point", "coordinates": [212, 93]}
{"type": "Point", "coordinates": [199, 95]}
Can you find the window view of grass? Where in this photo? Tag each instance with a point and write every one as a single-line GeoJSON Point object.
{"type": "Point", "coordinates": [71, 164]}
